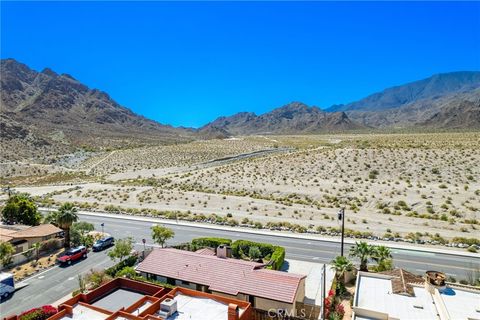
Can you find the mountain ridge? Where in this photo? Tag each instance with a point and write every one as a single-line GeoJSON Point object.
{"type": "Point", "coordinates": [57, 113]}
{"type": "Point", "coordinates": [65, 114]}
{"type": "Point", "coordinates": [295, 117]}
{"type": "Point", "coordinates": [434, 86]}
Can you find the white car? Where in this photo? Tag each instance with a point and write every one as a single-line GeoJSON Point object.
{"type": "Point", "coordinates": [7, 285]}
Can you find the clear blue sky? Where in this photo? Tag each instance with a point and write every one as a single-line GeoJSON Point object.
{"type": "Point", "coordinates": [185, 63]}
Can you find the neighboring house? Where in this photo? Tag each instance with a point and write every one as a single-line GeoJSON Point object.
{"type": "Point", "coordinates": [227, 277]}
{"type": "Point", "coordinates": [399, 294]}
{"type": "Point", "coordinates": [24, 237]}
{"type": "Point", "coordinates": [122, 299]}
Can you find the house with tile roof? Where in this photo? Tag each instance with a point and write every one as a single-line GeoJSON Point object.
{"type": "Point", "coordinates": [228, 277]}
{"type": "Point", "coordinates": [24, 237]}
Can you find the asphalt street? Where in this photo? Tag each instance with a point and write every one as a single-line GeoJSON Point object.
{"type": "Point", "coordinates": [49, 286]}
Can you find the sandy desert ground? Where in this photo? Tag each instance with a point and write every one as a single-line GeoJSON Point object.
{"type": "Point", "coordinates": [391, 185]}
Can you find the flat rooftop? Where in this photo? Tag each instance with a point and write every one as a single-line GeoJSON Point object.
{"type": "Point", "coordinates": [313, 281]}
{"type": "Point", "coordinates": [462, 303]}
{"type": "Point", "coordinates": [198, 308]}
{"type": "Point", "coordinates": [81, 312]}
{"type": "Point", "coordinates": [118, 299]}
{"type": "Point", "coordinates": [375, 296]}
{"type": "Point", "coordinates": [376, 293]}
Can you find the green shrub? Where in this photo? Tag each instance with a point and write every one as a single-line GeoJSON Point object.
{"type": "Point", "coordinates": [278, 257]}
{"type": "Point", "coordinates": [50, 245]}
{"type": "Point", "coordinates": [276, 254]}
{"type": "Point", "coordinates": [210, 242]}
{"type": "Point", "coordinates": [128, 272]}
{"type": "Point", "coordinates": [128, 262]}
{"type": "Point", "coordinates": [159, 283]}
{"type": "Point", "coordinates": [472, 249]}
{"type": "Point", "coordinates": [469, 241]}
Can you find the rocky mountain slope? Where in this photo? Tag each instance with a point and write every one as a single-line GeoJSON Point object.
{"type": "Point", "coordinates": [293, 118]}
{"type": "Point", "coordinates": [421, 103]}
{"type": "Point", "coordinates": [45, 113]}
{"type": "Point", "coordinates": [57, 113]}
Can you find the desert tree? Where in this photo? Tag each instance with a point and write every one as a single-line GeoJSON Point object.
{"type": "Point", "coordinates": [122, 249]}
{"type": "Point", "coordinates": [20, 208]}
{"type": "Point", "coordinates": [161, 234]}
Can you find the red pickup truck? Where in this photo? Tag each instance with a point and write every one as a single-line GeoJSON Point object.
{"type": "Point", "coordinates": [72, 255]}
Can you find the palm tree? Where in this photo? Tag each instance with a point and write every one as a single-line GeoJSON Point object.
{"type": "Point", "coordinates": [36, 247]}
{"type": "Point", "coordinates": [341, 265]}
{"type": "Point", "coordinates": [383, 257]}
{"type": "Point", "coordinates": [67, 215]}
{"type": "Point", "coordinates": [51, 218]}
{"type": "Point", "coordinates": [363, 251]}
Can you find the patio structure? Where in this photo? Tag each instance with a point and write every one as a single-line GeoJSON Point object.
{"type": "Point", "coordinates": [399, 294]}
{"type": "Point", "coordinates": [123, 298]}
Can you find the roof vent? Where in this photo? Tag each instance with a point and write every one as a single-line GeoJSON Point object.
{"type": "Point", "coordinates": [167, 308]}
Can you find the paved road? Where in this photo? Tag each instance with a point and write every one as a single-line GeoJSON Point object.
{"type": "Point", "coordinates": [48, 286]}
{"type": "Point", "coordinates": [55, 284]}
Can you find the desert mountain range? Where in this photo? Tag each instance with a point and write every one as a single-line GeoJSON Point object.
{"type": "Point", "coordinates": [55, 113]}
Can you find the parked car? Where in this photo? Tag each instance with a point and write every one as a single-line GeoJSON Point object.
{"type": "Point", "coordinates": [72, 255]}
{"type": "Point", "coordinates": [7, 285]}
{"type": "Point", "coordinates": [103, 243]}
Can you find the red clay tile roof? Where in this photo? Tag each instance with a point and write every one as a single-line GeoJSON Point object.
{"type": "Point", "coordinates": [38, 231]}
{"type": "Point", "coordinates": [206, 252]}
{"type": "Point", "coordinates": [231, 276]}
{"type": "Point", "coordinates": [402, 280]}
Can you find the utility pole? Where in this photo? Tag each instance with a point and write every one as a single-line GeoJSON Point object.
{"type": "Point", "coordinates": [324, 287]}
{"type": "Point", "coordinates": [341, 216]}
{"type": "Point", "coordinates": [144, 241]}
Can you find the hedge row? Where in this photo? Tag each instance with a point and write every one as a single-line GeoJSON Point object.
{"type": "Point", "coordinates": [276, 254]}
{"type": "Point", "coordinates": [240, 248]}
{"type": "Point", "coordinates": [128, 262]}
{"type": "Point", "coordinates": [210, 242]}
{"type": "Point", "coordinates": [277, 258]}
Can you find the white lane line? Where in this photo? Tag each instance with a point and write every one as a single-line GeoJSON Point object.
{"type": "Point", "coordinates": [148, 245]}
{"type": "Point", "coordinates": [38, 274]}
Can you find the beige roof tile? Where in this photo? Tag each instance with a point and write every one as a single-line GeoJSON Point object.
{"type": "Point", "coordinates": [37, 231]}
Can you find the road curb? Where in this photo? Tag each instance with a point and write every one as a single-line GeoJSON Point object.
{"type": "Point", "coordinates": [277, 234]}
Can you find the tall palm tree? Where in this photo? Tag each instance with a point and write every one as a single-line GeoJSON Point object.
{"type": "Point", "coordinates": [36, 247]}
{"type": "Point", "coordinates": [363, 251]}
{"type": "Point", "coordinates": [67, 215]}
{"type": "Point", "coordinates": [50, 218]}
{"type": "Point", "coordinates": [383, 257]}
{"type": "Point", "coordinates": [341, 265]}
